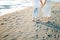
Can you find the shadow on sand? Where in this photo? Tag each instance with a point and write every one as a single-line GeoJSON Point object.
{"type": "Point", "coordinates": [49, 24]}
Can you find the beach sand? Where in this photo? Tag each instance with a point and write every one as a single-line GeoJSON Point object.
{"type": "Point", "coordinates": [19, 26]}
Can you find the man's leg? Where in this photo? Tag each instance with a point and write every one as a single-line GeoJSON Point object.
{"type": "Point", "coordinates": [46, 13]}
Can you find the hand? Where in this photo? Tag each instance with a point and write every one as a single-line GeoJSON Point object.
{"type": "Point", "coordinates": [42, 5]}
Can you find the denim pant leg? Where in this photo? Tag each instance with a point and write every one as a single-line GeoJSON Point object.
{"type": "Point", "coordinates": [47, 10]}
{"type": "Point", "coordinates": [35, 13]}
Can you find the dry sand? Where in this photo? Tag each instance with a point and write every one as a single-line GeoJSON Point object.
{"type": "Point", "coordinates": [18, 26]}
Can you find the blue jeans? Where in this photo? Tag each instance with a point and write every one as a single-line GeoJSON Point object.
{"type": "Point", "coordinates": [35, 13]}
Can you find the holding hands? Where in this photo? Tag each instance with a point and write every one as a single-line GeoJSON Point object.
{"type": "Point", "coordinates": [43, 3]}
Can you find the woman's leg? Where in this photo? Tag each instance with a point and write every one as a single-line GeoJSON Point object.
{"type": "Point", "coordinates": [35, 14]}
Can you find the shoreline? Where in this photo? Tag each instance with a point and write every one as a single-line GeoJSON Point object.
{"type": "Point", "coordinates": [8, 11]}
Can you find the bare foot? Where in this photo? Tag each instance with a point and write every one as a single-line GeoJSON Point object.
{"type": "Point", "coordinates": [46, 19]}
{"type": "Point", "coordinates": [35, 19]}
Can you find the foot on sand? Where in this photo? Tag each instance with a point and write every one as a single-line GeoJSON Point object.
{"type": "Point", "coordinates": [46, 19]}
{"type": "Point", "coordinates": [35, 19]}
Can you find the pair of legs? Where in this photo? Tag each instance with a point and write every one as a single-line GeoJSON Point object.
{"type": "Point", "coordinates": [46, 15]}
{"type": "Point", "coordinates": [46, 10]}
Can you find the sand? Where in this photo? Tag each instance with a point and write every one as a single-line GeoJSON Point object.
{"type": "Point", "coordinates": [18, 25]}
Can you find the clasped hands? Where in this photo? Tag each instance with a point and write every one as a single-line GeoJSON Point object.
{"type": "Point", "coordinates": [42, 4]}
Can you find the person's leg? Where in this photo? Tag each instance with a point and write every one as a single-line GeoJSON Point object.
{"type": "Point", "coordinates": [35, 14]}
{"type": "Point", "coordinates": [47, 12]}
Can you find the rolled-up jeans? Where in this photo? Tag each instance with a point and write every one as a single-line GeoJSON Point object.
{"type": "Point", "coordinates": [47, 10]}
{"type": "Point", "coordinates": [35, 13]}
